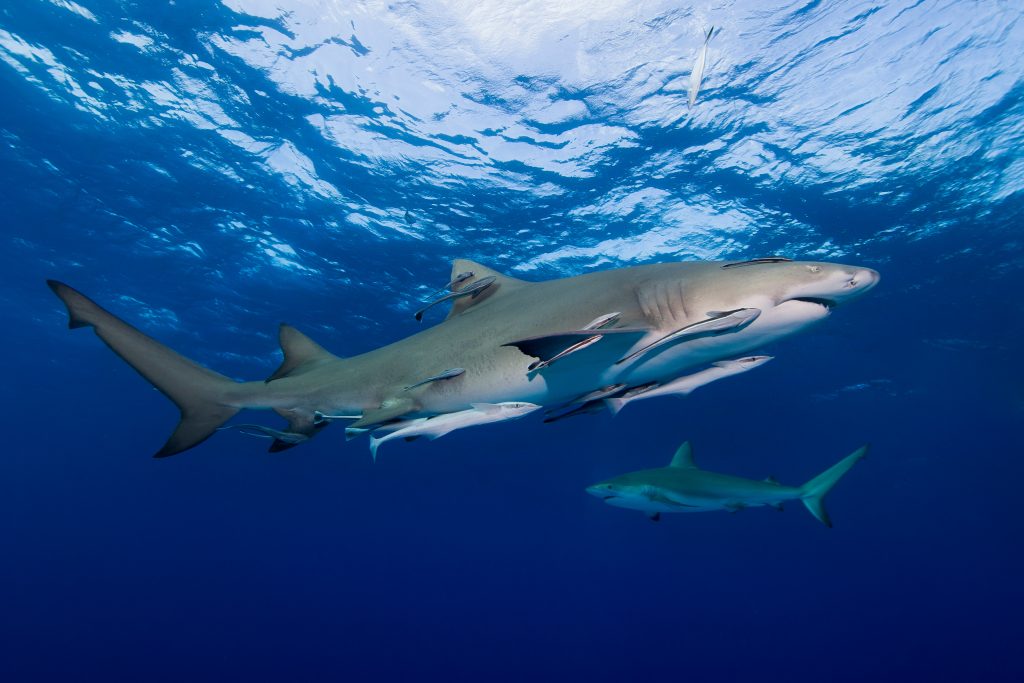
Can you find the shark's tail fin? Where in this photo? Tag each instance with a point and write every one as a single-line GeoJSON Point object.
{"type": "Point", "coordinates": [200, 394]}
{"type": "Point", "coordinates": [374, 445]}
{"type": "Point", "coordinates": [813, 492]}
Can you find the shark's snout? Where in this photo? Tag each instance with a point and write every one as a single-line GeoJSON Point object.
{"type": "Point", "coordinates": [602, 491]}
{"type": "Point", "coordinates": [830, 285]}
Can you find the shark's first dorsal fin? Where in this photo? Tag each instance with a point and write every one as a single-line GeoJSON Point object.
{"type": "Point", "coordinates": [502, 283]}
{"type": "Point", "coordinates": [301, 353]}
{"type": "Point", "coordinates": [683, 457]}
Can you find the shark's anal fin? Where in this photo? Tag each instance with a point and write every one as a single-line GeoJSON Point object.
{"type": "Point", "coordinates": [390, 409]}
{"type": "Point", "coordinates": [502, 284]}
{"type": "Point", "coordinates": [301, 354]}
{"type": "Point", "coordinates": [299, 422]}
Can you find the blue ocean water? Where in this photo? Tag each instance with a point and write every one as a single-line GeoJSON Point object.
{"type": "Point", "coordinates": [208, 169]}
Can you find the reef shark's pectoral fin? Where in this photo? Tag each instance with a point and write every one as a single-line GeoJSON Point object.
{"type": "Point", "coordinates": [301, 354]}
{"type": "Point", "coordinates": [390, 409]}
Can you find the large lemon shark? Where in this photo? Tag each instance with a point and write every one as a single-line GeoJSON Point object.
{"type": "Point", "coordinates": [546, 343]}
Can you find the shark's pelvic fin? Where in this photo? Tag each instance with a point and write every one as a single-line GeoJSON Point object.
{"type": "Point", "coordinates": [813, 492]}
{"type": "Point", "coordinates": [390, 409]}
{"type": "Point", "coordinates": [200, 394]}
{"type": "Point", "coordinates": [683, 457]}
{"type": "Point", "coordinates": [502, 284]}
{"type": "Point", "coordinates": [301, 354]}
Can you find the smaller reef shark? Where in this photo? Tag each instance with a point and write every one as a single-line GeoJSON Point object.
{"type": "Point", "coordinates": [684, 487]}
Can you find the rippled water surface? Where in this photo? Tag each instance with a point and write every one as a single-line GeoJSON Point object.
{"type": "Point", "coordinates": [208, 169]}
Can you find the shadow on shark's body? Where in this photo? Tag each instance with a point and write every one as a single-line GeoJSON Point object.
{"type": "Point", "coordinates": [684, 487]}
{"type": "Point", "coordinates": [480, 336]}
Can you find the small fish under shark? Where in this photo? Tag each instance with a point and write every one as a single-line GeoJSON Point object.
{"type": "Point", "coordinates": [683, 386]}
{"type": "Point", "coordinates": [436, 427]}
{"type": "Point", "coordinates": [684, 487]}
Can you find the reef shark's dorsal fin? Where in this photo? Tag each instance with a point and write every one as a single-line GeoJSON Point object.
{"type": "Point", "coordinates": [301, 354]}
{"type": "Point", "coordinates": [684, 457]}
{"type": "Point", "coordinates": [502, 284]}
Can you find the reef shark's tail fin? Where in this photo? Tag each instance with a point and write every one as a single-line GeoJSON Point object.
{"type": "Point", "coordinates": [813, 492]}
{"type": "Point", "coordinates": [199, 393]}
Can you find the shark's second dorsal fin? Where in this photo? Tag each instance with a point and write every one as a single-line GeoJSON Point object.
{"type": "Point", "coordinates": [502, 283]}
{"type": "Point", "coordinates": [301, 353]}
{"type": "Point", "coordinates": [683, 457]}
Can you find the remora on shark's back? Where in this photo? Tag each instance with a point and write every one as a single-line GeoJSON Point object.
{"type": "Point", "coordinates": [684, 487]}
{"type": "Point", "coordinates": [489, 334]}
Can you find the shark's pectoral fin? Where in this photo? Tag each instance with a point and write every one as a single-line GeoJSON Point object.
{"type": "Point", "coordinates": [301, 354]}
{"type": "Point", "coordinates": [654, 516]}
{"type": "Point", "coordinates": [551, 347]}
{"type": "Point", "coordinates": [390, 409]}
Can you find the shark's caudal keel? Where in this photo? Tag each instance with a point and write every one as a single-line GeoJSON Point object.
{"type": "Point", "coordinates": [683, 487]}
{"type": "Point", "coordinates": [508, 341]}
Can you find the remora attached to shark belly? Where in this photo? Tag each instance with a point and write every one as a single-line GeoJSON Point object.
{"type": "Point", "coordinates": [490, 335]}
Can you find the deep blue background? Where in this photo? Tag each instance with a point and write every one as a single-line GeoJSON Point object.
{"type": "Point", "coordinates": [479, 556]}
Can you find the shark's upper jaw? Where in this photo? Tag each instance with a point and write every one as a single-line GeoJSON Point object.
{"type": "Point", "coordinates": [837, 285]}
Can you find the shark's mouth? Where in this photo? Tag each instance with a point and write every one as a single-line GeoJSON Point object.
{"type": "Point", "coordinates": [608, 497]}
{"type": "Point", "coordinates": [820, 301]}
